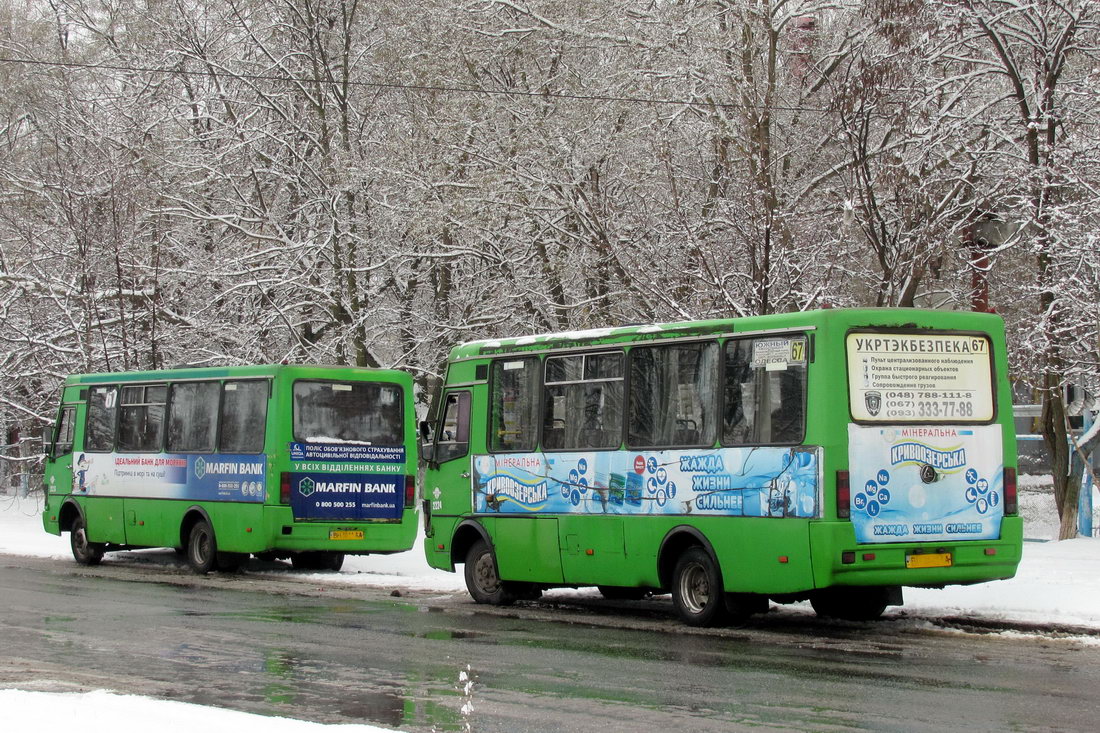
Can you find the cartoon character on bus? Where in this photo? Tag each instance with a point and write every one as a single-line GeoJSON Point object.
{"type": "Point", "coordinates": [80, 476]}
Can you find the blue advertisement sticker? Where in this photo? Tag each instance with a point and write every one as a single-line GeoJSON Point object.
{"type": "Point", "coordinates": [944, 483]}
{"type": "Point", "coordinates": [214, 477]}
{"type": "Point", "coordinates": [754, 482]}
{"type": "Point", "coordinates": [346, 496]}
{"type": "Point", "coordinates": [352, 452]}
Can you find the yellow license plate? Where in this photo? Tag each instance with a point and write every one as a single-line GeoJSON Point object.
{"type": "Point", "coordinates": [345, 534]}
{"type": "Point", "coordinates": [929, 560]}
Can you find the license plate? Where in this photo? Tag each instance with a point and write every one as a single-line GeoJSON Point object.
{"type": "Point", "coordinates": [929, 560]}
{"type": "Point", "coordinates": [345, 534]}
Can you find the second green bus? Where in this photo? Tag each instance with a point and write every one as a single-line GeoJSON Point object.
{"type": "Point", "coordinates": [300, 462]}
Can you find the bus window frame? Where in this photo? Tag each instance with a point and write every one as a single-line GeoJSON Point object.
{"type": "Point", "coordinates": [540, 360]}
{"type": "Point", "coordinates": [602, 351]}
{"type": "Point", "coordinates": [464, 405]}
{"type": "Point", "coordinates": [995, 411]}
{"type": "Point", "coordinates": [715, 401]}
{"type": "Point", "coordinates": [145, 404]}
{"type": "Point", "coordinates": [217, 418]}
{"type": "Point", "coordinates": [113, 443]}
{"type": "Point", "coordinates": [66, 408]}
{"type": "Point", "coordinates": [805, 387]}
{"type": "Point", "coordinates": [317, 380]}
{"type": "Point", "coordinates": [267, 414]}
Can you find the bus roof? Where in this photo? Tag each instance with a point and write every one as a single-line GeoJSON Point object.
{"type": "Point", "coordinates": [237, 372]}
{"type": "Point", "coordinates": [842, 317]}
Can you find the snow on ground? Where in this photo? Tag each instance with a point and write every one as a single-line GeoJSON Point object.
{"type": "Point", "coordinates": [1057, 583]}
{"type": "Point", "coordinates": [105, 712]}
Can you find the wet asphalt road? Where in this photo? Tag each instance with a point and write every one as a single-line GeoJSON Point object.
{"type": "Point", "coordinates": [289, 646]}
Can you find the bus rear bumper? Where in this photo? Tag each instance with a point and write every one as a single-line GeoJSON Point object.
{"type": "Point", "coordinates": [377, 537]}
{"type": "Point", "coordinates": [840, 560]}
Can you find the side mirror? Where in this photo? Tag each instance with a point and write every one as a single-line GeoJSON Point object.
{"type": "Point", "coordinates": [427, 444]}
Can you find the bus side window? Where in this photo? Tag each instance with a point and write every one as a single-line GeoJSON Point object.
{"type": "Point", "coordinates": [513, 419]}
{"type": "Point", "coordinates": [672, 395]}
{"type": "Point", "coordinates": [141, 420]}
{"type": "Point", "coordinates": [583, 402]}
{"type": "Point", "coordinates": [63, 433]}
{"type": "Point", "coordinates": [453, 439]}
{"type": "Point", "coordinates": [243, 417]}
{"type": "Point", "coordinates": [764, 395]}
{"type": "Point", "coordinates": [99, 431]}
{"type": "Point", "coordinates": [193, 417]}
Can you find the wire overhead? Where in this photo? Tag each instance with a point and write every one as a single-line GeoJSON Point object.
{"type": "Point", "coordinates": [409, 87]}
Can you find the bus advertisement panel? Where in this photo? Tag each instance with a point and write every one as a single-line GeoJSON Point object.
{"type": "Point", "coordinates": [926, 483]}
{"type": "Point", "coordinates": [338, 481]}
{"type": "Point", "coordinates": [764, 482]}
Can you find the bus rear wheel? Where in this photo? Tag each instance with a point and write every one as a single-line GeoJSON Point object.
{"type": "Point", "coordinates": [202, 548]}
{"type": "Point", "coordinates": [482, 578]}
{"type": "Point", "coordinates": [84, 552]}
{"type": "Point", "coordinates": [856, 603]}
{"type": "Point", "coordinates": [697, 591]}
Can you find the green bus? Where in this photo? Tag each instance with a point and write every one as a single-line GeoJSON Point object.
{"type": "Point", "coordinates": [302, 462]}
{"type": "Point", "coordinates": [833, 456]}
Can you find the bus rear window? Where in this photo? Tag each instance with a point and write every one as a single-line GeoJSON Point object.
{"type": "Point", "coordinates": [919, 377]}
{"type": "Point", "coordinates": [348, 412]}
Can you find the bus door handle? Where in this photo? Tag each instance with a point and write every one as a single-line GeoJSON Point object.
{"type": "Point", "coordinates": [465, 474]}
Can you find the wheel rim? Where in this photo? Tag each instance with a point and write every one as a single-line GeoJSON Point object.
{"type": "Point", "coordinates": [694, 588]}
{"type": "Point", "coordinates": [485, 574]}
{"type": "Point", "coordinates": [202, 547]}
{"type": "Point", "coordinates": [80, 541]}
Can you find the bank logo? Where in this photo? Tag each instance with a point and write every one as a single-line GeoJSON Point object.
{"type": "Point", "coordinates": [306, 486]}
{"type": "Point", "coordinates": [200, 467]}
{"type": "Point", "coordinates": [873, 400]}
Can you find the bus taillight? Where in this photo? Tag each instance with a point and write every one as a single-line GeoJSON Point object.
{"type": "Point", "coordinates": [843, 496]}
{"type": "Point", "coordinates": [284, 488]}
{"type": "Point", "coordinates": [410, 490]}
{"type": "Point", "coordinates": [1011, 506]}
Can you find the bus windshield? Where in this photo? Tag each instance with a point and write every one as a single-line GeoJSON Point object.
{"type": "Point", "coordinates": [348, 412]}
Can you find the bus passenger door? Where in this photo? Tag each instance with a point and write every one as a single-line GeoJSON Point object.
{"type": "Point", "coordinates": [447, 478]}
{"type": "Point", "coordinates": [59, 466]}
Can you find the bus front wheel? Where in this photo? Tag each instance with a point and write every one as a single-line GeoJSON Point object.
{"type": "Point", "coordinates": [202, 548]}
{"type": "Point", "coordinates": [482, 578]}
{"type": "Point", "coordinates": [84, 552]}
{"type": "Point", "coordinates": [697, 590]}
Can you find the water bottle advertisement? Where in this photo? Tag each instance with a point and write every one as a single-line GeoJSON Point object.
{"type": "Point", "coordinates": [926, 483]}
{"type": "Point", "coordinates": [750, 482]}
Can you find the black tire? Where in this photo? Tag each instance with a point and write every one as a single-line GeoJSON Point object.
{"type": "Point", "coordinates": [202, 548]}
{"type": "Point", "coordinates": [482, 578]}
{"type": "Point", "coordinates": [84, 552]}
{"type": "Point", "coordinates": [622, 592]}
{"type": "Point", "coordinates": [851, 604]}
{"type": "Point", "coordinates": [697, 591]}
